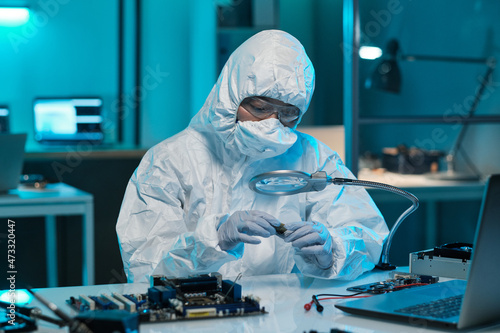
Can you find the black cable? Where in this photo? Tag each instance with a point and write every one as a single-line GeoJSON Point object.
{"type": "Point", "coordinates": [22, 323]}
{"type": "Point", "coordinates": [75, 326]}
{"type": "Point", "coordinates": [319, 307]}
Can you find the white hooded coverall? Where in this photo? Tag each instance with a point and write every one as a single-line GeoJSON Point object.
{"type": "Point", "coordinates": [187, 186]}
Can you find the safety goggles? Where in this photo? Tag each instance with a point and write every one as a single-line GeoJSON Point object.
{"type": "Point", "coordinates": [263, 109]}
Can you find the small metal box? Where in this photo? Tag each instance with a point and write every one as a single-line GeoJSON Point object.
{"type": "Point", "coordinates": [427, 263]}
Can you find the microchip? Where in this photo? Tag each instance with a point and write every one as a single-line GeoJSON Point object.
{"type": "Point", "coordinates": [280, 229]}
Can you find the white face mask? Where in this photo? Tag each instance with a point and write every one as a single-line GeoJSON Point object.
{"type": "Point", "coordinates": [265, 138]}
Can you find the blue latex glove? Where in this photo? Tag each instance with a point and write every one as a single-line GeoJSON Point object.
{"type": "Point", "coordinates": [242, 225]}
{"type": "Point", "coordinates": [313, 239]}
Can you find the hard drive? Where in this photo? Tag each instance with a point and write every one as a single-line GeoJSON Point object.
{"type": "Point", "coordinates": [449, 260]}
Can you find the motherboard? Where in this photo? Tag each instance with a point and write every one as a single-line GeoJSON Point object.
{"type": "Point", "coordinates": [172, 299]}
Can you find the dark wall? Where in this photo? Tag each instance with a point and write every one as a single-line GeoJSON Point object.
{"type": "Point", "coordinates": [105, 178]}
{"type": "Point", "coordinates": [441, 89]}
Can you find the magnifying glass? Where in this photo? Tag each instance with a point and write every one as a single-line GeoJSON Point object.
{"type": "Point", "coordinates": [288, 182]}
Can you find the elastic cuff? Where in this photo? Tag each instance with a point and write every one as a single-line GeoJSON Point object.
{"type": "Point", "coordinates": [237, 251]}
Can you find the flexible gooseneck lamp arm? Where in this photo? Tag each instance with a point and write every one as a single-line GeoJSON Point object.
{"type": "Point", "coordinates": [384, 259]}
{"type": "Point", "coordinates": [288, 182]}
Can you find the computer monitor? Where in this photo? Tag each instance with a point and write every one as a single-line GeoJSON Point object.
{"type": "Point", "coordinates": [4, 119]}
{"type": "Point", "coordinates": [68, 120]}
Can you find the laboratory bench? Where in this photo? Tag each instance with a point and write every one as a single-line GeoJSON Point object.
{"type": "Point", "coordinates": [283, 297]}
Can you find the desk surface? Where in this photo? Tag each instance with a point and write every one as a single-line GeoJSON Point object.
{"type": "Point", "coordinates": [424, 187]}
{"type": "Point", "coordinates": [38, 152]}
{"type": "Point", "coordinates": [283, 297]}
{"type": "Point", "coordinates": [415, 181]}
{"type": "Point", "coordinates": [58, 192]}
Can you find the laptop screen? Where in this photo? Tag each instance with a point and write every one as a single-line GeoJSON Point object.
{"type": "Point", "coordinates": [68, 120]}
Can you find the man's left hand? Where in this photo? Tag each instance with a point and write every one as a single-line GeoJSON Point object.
{"type": "Point", "coordinates": [312, 238]}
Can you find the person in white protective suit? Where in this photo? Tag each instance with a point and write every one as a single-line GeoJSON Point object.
{"type": "Point", "coordinates": [188, 208]}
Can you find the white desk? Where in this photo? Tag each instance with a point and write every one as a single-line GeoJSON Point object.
{"type": "Point", "coordinates": [428, 191]}
{"type": "Point", "coordinates": [56, 199]}
{"type": "Point", "coordinates": [283, 297]}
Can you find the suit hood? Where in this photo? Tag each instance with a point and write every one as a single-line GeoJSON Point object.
{"type": "Point", "coordinates": [271, 63]}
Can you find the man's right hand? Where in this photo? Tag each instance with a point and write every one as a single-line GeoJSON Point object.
{"type": "Point", "coordinates": [242, 225]}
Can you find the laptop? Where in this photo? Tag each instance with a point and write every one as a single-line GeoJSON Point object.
{"type": "Point", "coordinates": [68, 121]}
{"type": "Point", "coordinates": [477, 299]}
{"type": "Point", "coordinates": [11, 160]}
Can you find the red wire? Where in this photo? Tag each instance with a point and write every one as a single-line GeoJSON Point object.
{"type": "Point", "coordinates": [307, 306]}
{"type": "Point", "coordinates": [410, 285]}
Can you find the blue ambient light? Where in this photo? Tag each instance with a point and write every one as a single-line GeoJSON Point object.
{"type": "Point", "coordinates": [13, 16]}
{"type": "Point", "coordinates": [19, 296]}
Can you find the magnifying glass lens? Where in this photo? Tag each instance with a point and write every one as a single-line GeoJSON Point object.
{"type": "Point", "coordinates": [281, 184]}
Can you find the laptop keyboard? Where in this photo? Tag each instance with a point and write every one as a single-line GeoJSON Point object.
{"type": "Point", "coordinates": [442, 308]}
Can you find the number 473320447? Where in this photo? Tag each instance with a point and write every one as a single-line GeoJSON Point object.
{"type": "Point", "coordinates": [11, 244]}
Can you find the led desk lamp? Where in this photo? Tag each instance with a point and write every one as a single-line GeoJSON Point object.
{"type": "Point", "coordinates": [288, 182]}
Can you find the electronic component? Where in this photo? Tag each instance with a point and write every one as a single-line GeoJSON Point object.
{"type": "Point", "coordinates": [397, 281]}
{"type": "Point", "coordinates": [171, 299]}
{"type": "Point", "coordinates": [449, 260]}
{"type": "Point", "coordinates": [280, 230]}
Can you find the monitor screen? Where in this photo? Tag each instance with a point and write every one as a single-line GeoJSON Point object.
{"type": "Point", "coordinates": [68, 120]}
{"type": "Point", "coordinates": [4, 119]}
